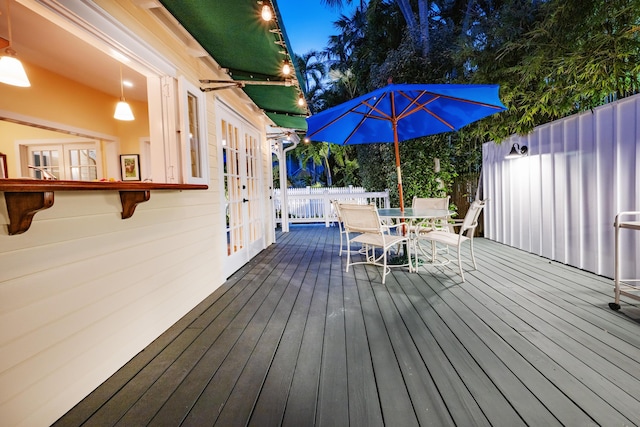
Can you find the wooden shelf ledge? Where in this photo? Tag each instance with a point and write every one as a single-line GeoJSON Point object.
{"type": "Point", "coordinates": [26, 197]}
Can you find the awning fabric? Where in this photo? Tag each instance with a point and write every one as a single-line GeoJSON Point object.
{"type": "Point", "coordinates": [237, 38]}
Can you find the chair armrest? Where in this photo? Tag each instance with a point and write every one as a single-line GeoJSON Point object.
{"type": "Point", "coordinates": [389, 226]}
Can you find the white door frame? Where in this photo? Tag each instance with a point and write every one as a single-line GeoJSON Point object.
{"type": "Point", "coordinates": [241, 193]}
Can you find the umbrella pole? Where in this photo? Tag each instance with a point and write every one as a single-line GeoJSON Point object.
{"type": "Point", "coordinates": [398, 171]}
{"type": "Point", "coordinates": [405, 258]}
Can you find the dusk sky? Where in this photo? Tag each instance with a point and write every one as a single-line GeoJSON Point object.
{"type": "Point", "coordinates": [309, 23]}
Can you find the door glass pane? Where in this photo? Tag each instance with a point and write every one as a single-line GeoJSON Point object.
{"type": "Point", "coordinates": [194, 136]}
{"type": "Point", "coordinates": [45, 160]}
{"type": "Point", "coordinates": [255, 215]}
{"type": "Point", "coordinates": [232, 186]}
{"type": "Point", "coordinates": [83, 165]}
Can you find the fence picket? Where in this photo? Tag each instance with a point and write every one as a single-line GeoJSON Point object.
{"type": "Point", "coordinates": [311, 205]}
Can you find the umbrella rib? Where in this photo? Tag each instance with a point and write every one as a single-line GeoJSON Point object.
{"type": "Point", "coordinates": [374, 107]}
{"type": "Point", "coordinates": [329, 123]}
{"type": "Point", "coordinates": [422, 106]}
{"type": "Point", "coordinates": [365, 116]}
{"type": "Point", "coordinates": [413, 100]}
{"type": "Point", "coordinates": [349, 111]}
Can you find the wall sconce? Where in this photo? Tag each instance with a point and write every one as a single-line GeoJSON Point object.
{"type": "Point", "coordinates": [265, 12]}
{"type": "Point", "coordinates": [300, 100]}
{"type": "Point", "coordinates": [517, 151]}
{"type": "Point", "coordinates": [286, 68]}
{"type": "Point", "coordinates": [11, 69]}
{"type": "Point", "coordinates": [123, 110]}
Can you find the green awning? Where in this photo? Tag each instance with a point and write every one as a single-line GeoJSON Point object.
{"type": "Point", "coordinates": [252, 50]}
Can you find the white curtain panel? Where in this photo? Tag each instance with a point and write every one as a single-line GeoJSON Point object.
{"type": "Point", "coordinates": [561, 199]}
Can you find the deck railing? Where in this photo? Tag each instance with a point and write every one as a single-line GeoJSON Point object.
{"type": "Point", "coordinates": [313, 205]}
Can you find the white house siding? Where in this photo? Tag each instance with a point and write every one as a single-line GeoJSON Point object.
{"type": "Point", "coordinates": [83, 291]}
{"type": "Point", "coordinates": [560, 201]}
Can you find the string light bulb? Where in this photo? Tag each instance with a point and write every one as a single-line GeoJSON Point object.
{"type": "Point", "coordinates": [11, 69]}
{"type": "Point", "coordinates": [286, 68]}
{"type": "Point", "coordinates": [266, 13]}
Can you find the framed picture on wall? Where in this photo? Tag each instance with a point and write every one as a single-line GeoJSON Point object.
{"type": "Point", "coordinates": [4, 173]}
{"type": "Point", "coordinates": [130, 167]}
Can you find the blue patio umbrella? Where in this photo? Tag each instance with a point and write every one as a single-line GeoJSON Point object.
{"type": "Point", "coordinates": [399, 112]}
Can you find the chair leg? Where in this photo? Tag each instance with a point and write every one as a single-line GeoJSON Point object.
{"type": "Point", "coordinates": [434, 251]}
{"type": "Point", "coordinates": [460, 262]}
{"type": "Point", "coordinates": [348, 255]}
{"type": "Point", "coordinates": [384, 264]}
{"type": "Point", "coordinates": [473, 258]}
{"type": "Point", "coordinates": [340, 254]}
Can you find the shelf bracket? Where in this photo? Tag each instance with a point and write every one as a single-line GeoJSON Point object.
{"type": "Point", "coordinates": [130, 200]}
{"type": "Point", "coordinates": [22, 206]}
{"type": "Point", "coordinates": [25, 197]}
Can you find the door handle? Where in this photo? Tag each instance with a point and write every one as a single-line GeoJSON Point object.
{"type": "Point", "coordinates": [245, 200]}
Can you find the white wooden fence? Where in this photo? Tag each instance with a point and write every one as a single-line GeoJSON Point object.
{"type": "Point", "coordinates": [560, 200]}
{"type": "Point", "coordinates": [313, 205]}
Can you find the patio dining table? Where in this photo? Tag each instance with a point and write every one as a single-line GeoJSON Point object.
{"type": "Point", "coordinates": [414, 214]}
{"type": "Point", "coordinates": [411, 216]}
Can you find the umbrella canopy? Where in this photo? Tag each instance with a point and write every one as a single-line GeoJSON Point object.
{"type": "Point", "coordinates": [399, 112]}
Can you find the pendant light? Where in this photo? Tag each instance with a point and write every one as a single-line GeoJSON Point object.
{"type": "Point", "coordinates": [123, 110]}
{"type": "Point", "coordinates": [11, 69]}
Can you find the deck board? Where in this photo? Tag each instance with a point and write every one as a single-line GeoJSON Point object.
{"type": "Point", "coordinates": [292, 339]}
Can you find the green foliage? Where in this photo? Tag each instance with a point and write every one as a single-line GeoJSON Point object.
{"type": "Point", "coordinates": [551, 58]}
{"type": "Point", "coordinates": [557, 58]}
{"type": "Point", "coordinates": [417, 158]}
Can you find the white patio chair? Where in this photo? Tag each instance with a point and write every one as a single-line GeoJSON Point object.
{"type": "Point", "coordinates": [336, 206]}
{"type": "Point", "coordinates": [364, 219]}
{"type": "Point", "coordinates": [430, 203]}
{"type": "Point", "coordinates": [467, 227]}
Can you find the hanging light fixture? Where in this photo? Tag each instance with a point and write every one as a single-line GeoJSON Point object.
{"type": "Point", "coordinates": [123, 110]}
{"type": "Point", "coordinates": [11, 69]}
{"type": "Point", "coordinates": [517, 151]}
{"type": "Point", "coordinates": [286, 68]}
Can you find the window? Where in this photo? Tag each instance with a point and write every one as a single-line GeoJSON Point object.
{"type": "Point", "coordinates": [82, 164]}
{"type": "Point", "coordinates": [73, 161]}
{"type": "Point", "coordinates": [193, 132]}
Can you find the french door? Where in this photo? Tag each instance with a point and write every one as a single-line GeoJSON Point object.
{"type": "Point", "coordinates": [69, 161]}
{"type": "Point", "coordinates": [242, 182]}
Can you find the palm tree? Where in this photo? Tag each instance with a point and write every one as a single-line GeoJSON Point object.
{"type": "Point", "coordinates": [338, 4]}
{"type": "Point", "coordinates": [417, 24]}
{"type": "Point", "coordinates": [313, 71]}
{"type": "Point", "coordinates": [318, 153]}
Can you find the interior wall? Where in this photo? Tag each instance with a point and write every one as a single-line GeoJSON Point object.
{"type": "Point", "coordinates": [56, 99]}
{"type": "Point", "coordinates": [560, 201]}
{"type": "Point", "coordinates": [65, 104]}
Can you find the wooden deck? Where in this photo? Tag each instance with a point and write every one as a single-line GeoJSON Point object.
{"type": "Point", "coordinates": [291, 339]}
